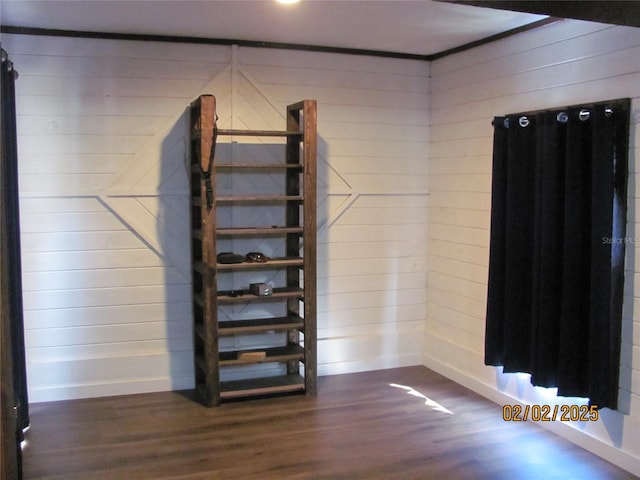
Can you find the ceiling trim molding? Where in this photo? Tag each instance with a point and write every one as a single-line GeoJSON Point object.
{"type": "Point", "coordinates": [21, 30]}
{"type": "Point", "coordinates": [493, 38]}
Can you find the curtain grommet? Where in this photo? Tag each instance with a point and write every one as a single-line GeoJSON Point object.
{"type": "Point", "coordinates": [562, 117]}
{"type": "Point", "coordinates": [523, 121]}
{"type": "Point", "coordinates": [584, 114]}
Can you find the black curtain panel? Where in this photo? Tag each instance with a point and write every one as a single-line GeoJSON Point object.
{"type": "Point", "coordinates": [556, 262]}
{"type": "Point", "coordinates": [12, 278]}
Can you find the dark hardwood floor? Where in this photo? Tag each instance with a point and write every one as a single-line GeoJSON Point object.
{"type": "Point", "coordinates": [360, 426]}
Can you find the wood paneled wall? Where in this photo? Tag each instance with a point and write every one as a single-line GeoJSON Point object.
{"type": "Point", "coordinates": [566, 63]}
{"type": "Point", "coordinates": [104, 207]}
{"type": "Point", "coordinates": [104, 215]}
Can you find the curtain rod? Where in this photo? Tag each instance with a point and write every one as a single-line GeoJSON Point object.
{"type": "Point", "coordinates": [623, 103]}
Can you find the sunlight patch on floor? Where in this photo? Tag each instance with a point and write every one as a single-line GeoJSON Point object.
{"type": "Point", "coordinates": [427, 401]}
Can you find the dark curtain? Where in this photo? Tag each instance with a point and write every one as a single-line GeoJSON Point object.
{"type": "Point", "coordinates": [556, 267]}
{"type": "Point", "coordinates": [12, 277]}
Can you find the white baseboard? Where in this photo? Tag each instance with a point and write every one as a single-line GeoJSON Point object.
{"type": "Point", "coordinates": [73, 392]}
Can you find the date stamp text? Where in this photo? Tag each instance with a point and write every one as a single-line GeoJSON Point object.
{"type": "Point", "coordinates": [550, 413]}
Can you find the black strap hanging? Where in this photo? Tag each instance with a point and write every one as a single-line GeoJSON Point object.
{"type": "Point", "coordinates": [206, 174]}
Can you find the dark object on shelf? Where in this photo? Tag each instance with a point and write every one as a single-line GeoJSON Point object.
{"type": "Point", "coordinates": [229, 257]}
{"type": "Point", "coordinates": [256, 257]}
{"type": "Point", "coordinates": [261, 289]}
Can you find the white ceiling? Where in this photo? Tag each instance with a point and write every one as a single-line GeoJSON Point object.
{"type": "Point", "coordinates": [422, 27]}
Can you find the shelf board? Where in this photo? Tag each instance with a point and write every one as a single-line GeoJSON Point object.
{"type": "Point", "coordinates": [261, 386]}
{"type": "Point", "coordinates": [259, 198]}
{"type": "Point", "coordinates": [259, 133]}
{"type": "Point", "coordinates": [274, 354]}
{"type": "Point", "coordinates": [274, 262]}
{"type": "Point", "coordinates": [264, 166]}
{"type": "Point", "coordinates": [244, 296]}
{"type": "Point", "coordinates": [195, 168]}
{"type": "Point", "coordinates": [259, 231]}
{"type": "Point", "coordinates": [234, 327]}
{"type": "Point", "coordinates": [231, 132]}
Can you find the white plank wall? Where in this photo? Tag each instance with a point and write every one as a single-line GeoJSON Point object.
{"type": "Point", "coordinates": [566, 63]}
{"type": "Point", "coordinates": [104, 210]}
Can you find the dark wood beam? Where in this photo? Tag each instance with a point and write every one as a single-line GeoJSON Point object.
{"type": "Point", "coordinates": [140, 37]}
{"type": "Point", "coordinates": [618, 12]}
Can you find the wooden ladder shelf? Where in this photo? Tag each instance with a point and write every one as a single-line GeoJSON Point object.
{"type": "Point", "coordinates": [216, 366]}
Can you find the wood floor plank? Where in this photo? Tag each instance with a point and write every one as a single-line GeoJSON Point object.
{"type": "Point", "coordinates": [360, 426]}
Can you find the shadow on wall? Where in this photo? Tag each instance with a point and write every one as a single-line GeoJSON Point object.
{"type": "Point", "coordinates": [614, 423]}
{"type": "Point", "coordinates": [173, 237]}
